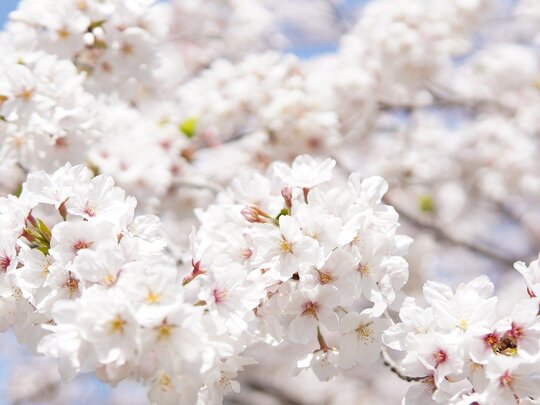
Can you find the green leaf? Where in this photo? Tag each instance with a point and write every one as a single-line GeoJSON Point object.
{"type": "Point", "coordinates": [188, 127]}
{"type": "Point", "coordinates": [284, 211]}
{"type": "Point", "coordinates": [43, 229]}
{"type": "Point", "coordinates": [17, 193]}
{"type": "Point", "coordinates": [43, 247]}
{"type": "Point", "coordinates": [95, 24]}
{"type": "Point", "coordinates": [93, 168]}
{"type": "Point", "coordinates": [426, 203]}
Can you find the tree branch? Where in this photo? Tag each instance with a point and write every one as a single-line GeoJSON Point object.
{"type": "Point", "coordinates": [388, 362]}
{"type": "Point", "coordinates": [440, 233]}
{"type": "Point", "coordinates": [282, 397]}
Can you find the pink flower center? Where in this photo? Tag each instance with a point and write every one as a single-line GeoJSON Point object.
{"type": "Point", "coordinates": [325, 277]}
{"type": "Point", "coordinates": [506, 380]}
{"type": "Point", "coordinates": [4, 263]}
{"type": "Point", "coordinates": [219, 295]}
{"type": "Point", "coordinates": [439, 357]}
{"type": "Point", "coordinates": [516, 332]}
{"type": "Point", "coordinates": [81, 245]}
{"type": "Point", "coordinates": [90, 211]}
{"type": "Point", "coordinates": [246, 253]}
{"type": "Point", "coordinates": [491, 339]}
{"type": "Point", "coordinates": [310, 309]}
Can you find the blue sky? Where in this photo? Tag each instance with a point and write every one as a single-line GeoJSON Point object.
{"type": "Point", "coordinates": [9, 5]}
{"type": "Point", "coordinates": [5, 7]}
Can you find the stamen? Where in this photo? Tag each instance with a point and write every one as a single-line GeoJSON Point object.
{"type": "Point", "coordinates": [117, 325]}
{"type": "Point", "coordinates": [439, 357]}
{"type": "Point", "coordinates": [310, 309]}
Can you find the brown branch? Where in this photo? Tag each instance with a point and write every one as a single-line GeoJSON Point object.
{"type": "Point", "coordinates": [202, 185]}
{"type": "Point", "coordinates": [282, 397]}
{"type": "Point", "coordinates": [441, 234]}
{"type": "Point", "coordinates": [388, 362]}
{"type": "Point", "coordinates": [521, 220]}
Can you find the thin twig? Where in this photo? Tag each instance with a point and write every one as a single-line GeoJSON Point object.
{"type": "Point", "coordinates": [521, 220]}
{"type": "Point", "coordinates": [440, 233]}
{"type": "Point", "coordinates": [388, 362]}
{"type": "Point", "coordinates": [272, 391]}
{"type": "Point", "coordinates": [202, 185]}
{"type": "Point", "coordinates": [23, 169]}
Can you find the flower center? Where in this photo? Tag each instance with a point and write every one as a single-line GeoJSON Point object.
{"type": "Point", "coordinates": [363, 269]}
{"type": "Point", "coordinates": [284, 246]}
{"type": "Point", "coordinates": [79, 245]}
{"type": "Point", "coordinates": [63, 33]}
{"type": "Point", "coordinates": [439, 357]}
{"type": "Point", "coordinates": [365, 333]}
{"type": "Point", "coordinates": [463, 324]}
{"type": "Point", "coordinates": [310, 309]}
{"type": "Point", "coordinates": [26, 94]}
{"type": "Point", "coordinates": [90, 211]}
{"type": "Point", "coordinates": [246, 253]}
{"type": "Point", "coordinates": [165, 382]}
{"type": "Point", "coordinates": [108, 279]}
{"type": "Point", "coordinates": [72, 285]}
{"type": "Point", "coordinates": [219, 295]}
{"type": "Point", "coordinates": [516, 332]}
{"type": "Point", "coordinates": [506, 380]}
{"type": "Point", "coordinates": [325, 277]}
{"type": "Point", "coordinates": [127, 48]}
{"type": "Point", "coordinates": [225, 382]}
{"type": "Point", "coordinates": [4, 263]}
{"type": "Point", "coordinates": [152, 298]}
{"type": "Point", "coordinates": [117, 325]}
{"type": "Point", "coordinates": [164, 331]}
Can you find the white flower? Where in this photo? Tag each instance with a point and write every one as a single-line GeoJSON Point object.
{"type": "Point", "coordinates": [102, 201]}
{"type": "Point", "coordinates": [229, 298]}
{"type": "Point", "coordinates": [311, 309]}
{"type": "Point", "coordinates": [470, 308]}
{"type": "Point", "coordinates": [69, 238]}
{"type": "Point", "coordinates": [324, 364]}
{"type": "Point", "coordinates": [8, 253]}
{"type": "Point", "coordinates": [414, 320]}
{"type": "Point", "coordinates": [337, 271]}
{"type": "Point", "coordinates": [523, 326]}
{"type": "Point", "coordinates": [531, 274]}
{"type": "Point", "coordinates": [511, 378]}
{"type": "Point", "coordinates": [433, 354]}
{"type": "Point", "coordinates": [288, 244]}
{"type": "Point", "coordinates": [360, 340]}
{"type": "Point", "coordinates": [105, 321]}
{"type": "Point", "coordinates": [220, 379]}
{"type": "Point", "coordinates": [305, 172]}
{"type": "Point", "coordinates": [55, 189]}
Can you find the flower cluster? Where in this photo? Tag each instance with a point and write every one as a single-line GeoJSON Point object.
{"type": "Point", "coordinates": [85, 281]}
{"type": "Point", "coordinates": [462, 349]}
{"type": "Point", "coordinates": [111, 40]}
{"type": "Point", "coordinates": [267, 93]}
{"type": "Point", "coordinates": [46, 117]}
{"type": "Point", "coordinates": [405, 47]}
{"type": "Point", "coordinates": [286, 257]}
{"type": "Point", "coordinates": [231, 30]}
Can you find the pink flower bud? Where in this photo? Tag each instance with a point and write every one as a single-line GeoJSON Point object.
{"type": "Point", "coordinates": [250, 214]}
